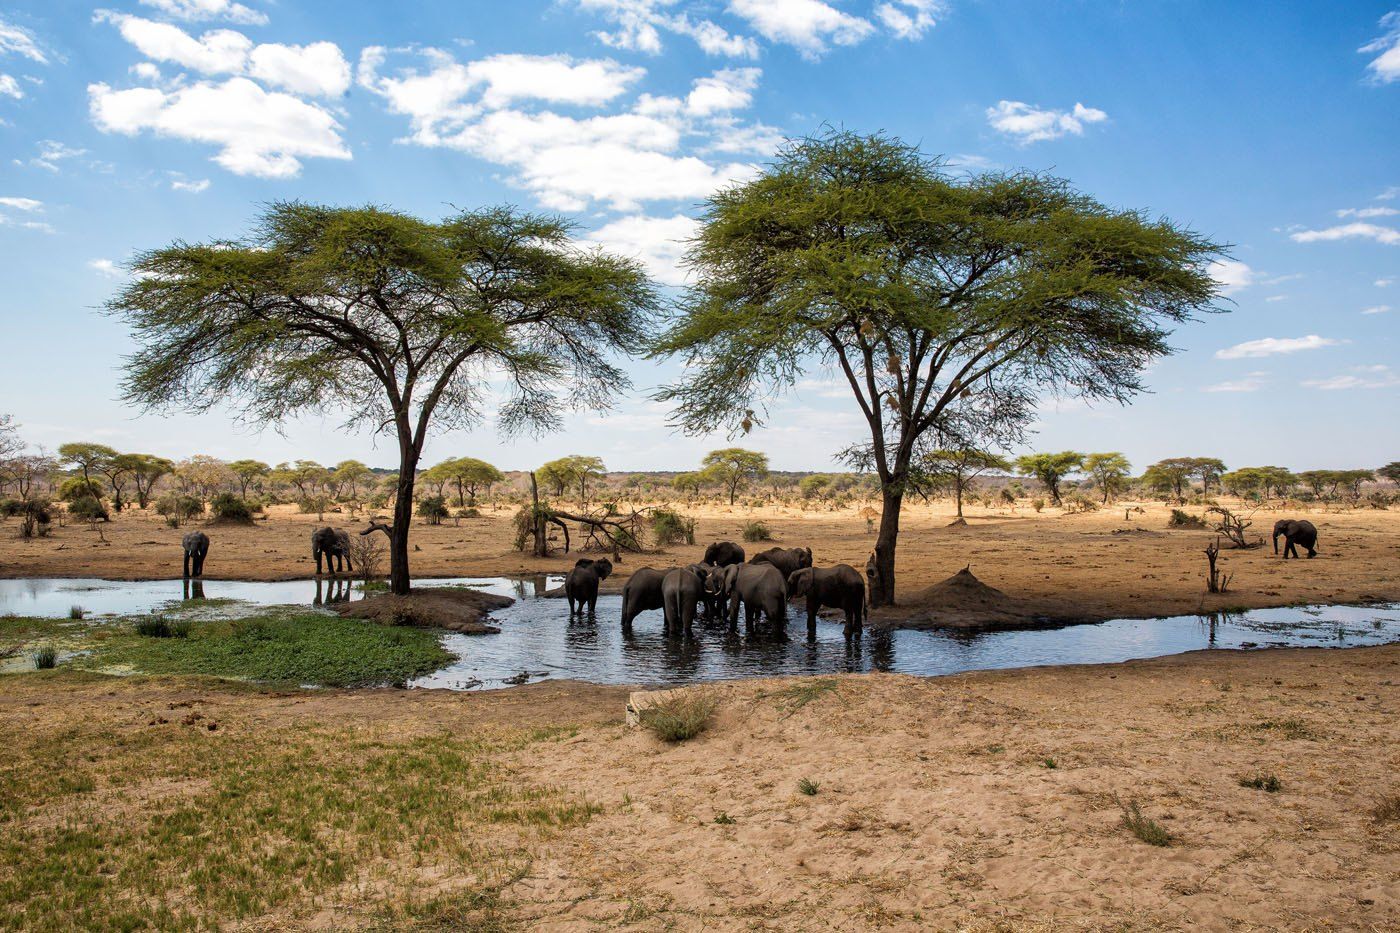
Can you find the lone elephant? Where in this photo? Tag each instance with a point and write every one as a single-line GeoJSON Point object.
{"type": "Point", "coordinates": [724, 553]}
{"type": "Point", "coordinates": [196, 545]}
{"type": "Point", "coordinates": [334, 545]}
{"type": "Point", "coordinates": [788, 560]}
{"type": "Point", "coordinates": [642, 593]}
{"type": "Point", "coordinates": [681, 589]}
{"type": "Point", "coordinates": [839, 587]}
{"type": "Point", "coordinates": [581, 583]}
{"type": "Point", "coordinates": [1294, 533]}
{"type": "Point", "coordinates": [762, 588]}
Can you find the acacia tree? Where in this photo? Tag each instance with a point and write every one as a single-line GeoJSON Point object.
{"type": "Point", "coordinates": [146, 470]}
{"type": "Point", "coordinates": [397, 322]}
{"type": "Point", "coordinates": [87, 457]}
{"type": "Point", "coordinates": [732, 467]}
{"type": "Point", "coordinates": [1390, 471]}
{"type": "Point", "coordinates": [930, 295]}
{"type": "Point", "coordinates": [1050, 469]}
{"type": "Point", "coordinates": [957, 468]}
{"type": "Point", "coordinates": [1108, 471]}
{"type": "Point", "coordinates": [1172, 475]}
{"type": "Point", "coordinates": [573, 470]}
{"type": "Point", "coordinates": [248, 473]}
{"type": "Point", "coordinates": [349, 473]}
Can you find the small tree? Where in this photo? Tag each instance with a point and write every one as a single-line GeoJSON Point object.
{"type": "Point", "coordinates": [1208, 470]}
{"type": "Point", "coordinates": [1050, 469]}
{"type": "Point", "coordinates": [468, 474]}
{"type": "Point", "coordinates": [1109, 472]}
{"type": "Point", "coordinates": [248, 472]}
{"type": "Point", "coordinates": [146, 470]}
{"type": "Point", "coordinates": [86, 457]}
{"type": "Point", "coordinates": [734, 467]}
{"type": "Point", "coordinates": [1390, 471]}
{"type": "Point", "coordinates": [573, 470]}
{"type": "Point", "coordinates": [957, 469]}
{"type": "Point", "coordinates": [349, 474]}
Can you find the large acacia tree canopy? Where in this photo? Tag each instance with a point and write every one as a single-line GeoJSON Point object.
{"type": "Point", "coordinates": [386, 316]}
{"type": "Point", "coordinates": [923, 289]}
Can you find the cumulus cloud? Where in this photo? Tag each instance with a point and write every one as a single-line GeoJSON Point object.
{"type": "Point", "coordinates": [1366, 212]}
{"type": "Point", "coordinates": [658, 242]}
{"type": "Point", "coordinates": [810, 26]}
{"type": "Point", "coordinates": [16, 40]}
{"type": "Point", "coordinates": [640, 24]}
{"type": "Point", "coordinates": [1385, 67]}
{"type": "Point", "coordinates": [208, 10]}
{"type": "Point", "coordinates": [1358, 230]}
{"type": "Point", "coordinates": [1274, 346]}
{"type": "Point", "coordinates": [909, 19]}
{"type": "Point", "coordinates": [105, 268]}
{"type": "Point", "coordinates": [1028, 124]}
{"type": "Point", "coordinates": [1361, 377]}
{"type": "Point", "coordinates": [1232, 275]}
{"type": "Point", "coordinates": [258, 132]}
{"type": "Point", "coordinates": [1250, 383]}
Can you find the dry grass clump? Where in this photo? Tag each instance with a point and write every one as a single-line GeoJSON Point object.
{"type": "Point", "coordinates": [678, 718]}
{"type": "Point", "coordinates": [1265, 782]}
{"type": "Point", "coordinates": [1386, 810]}
{"type": "Point", "coordinates": [1143, 826]}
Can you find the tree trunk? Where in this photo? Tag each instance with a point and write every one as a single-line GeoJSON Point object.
{"type": "Point", "coordinates": [399, 579]}
{"type": "Point", "coordinates": [882, 586]}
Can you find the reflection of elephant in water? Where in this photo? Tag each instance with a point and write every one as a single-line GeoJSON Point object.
{"type": "Point", "coordinates": [1295, 533]}
{"type": "Point", "coordinates": [194, 589]}
{"type": "Point", "coordinates": [681, 589]}
{"type": "Point", "coordinates": [337, 591]}
{"type": "Point", "coordinates": [761, 588]}
{"type": "Point", "coordinates": [839, 587]}
{"type": "Point", "coordinates": [724, 553]}
{"type": "Point", "coordinates": [196, 545]}
{"type": "Point", "coordinates": [581, 583]}
{"type": "Point", "coordinates": [335, 546]}
{"type": "Point", "coordinates": [788, 560]}
{"type": "Point", "coordinates": [642, 593]}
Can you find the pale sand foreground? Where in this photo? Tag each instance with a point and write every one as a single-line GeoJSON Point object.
{"type": "Point", "coordinates": [1095, 565]}
{"type": "Point", "coordinates": [936, 806]}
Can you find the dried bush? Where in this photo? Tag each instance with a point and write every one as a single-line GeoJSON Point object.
{"type": "Point", "coordinates": [367, 554]}
{"type": "Point", "coordinates": [1182, 519]}
{"type": "Point", "coordinates": [678, 718]}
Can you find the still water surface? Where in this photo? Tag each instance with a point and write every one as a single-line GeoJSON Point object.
{"type": "Point", "coordinates": [539, 640]}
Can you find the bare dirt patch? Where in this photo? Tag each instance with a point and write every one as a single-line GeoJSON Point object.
{"type": "Point", "coordinates": [456, 609]}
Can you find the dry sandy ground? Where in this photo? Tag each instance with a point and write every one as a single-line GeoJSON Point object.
{"type": "Point", "coordinates": [1095, 565]}
{"type": "Point", "coordinates": [935, 807]}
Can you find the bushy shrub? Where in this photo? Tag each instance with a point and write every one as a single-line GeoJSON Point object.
{"type": "Point", "coordinates": [757, 531]}
{"type": "Point", "coordinates": [433, 509]}
{"type": "Point", "coordinates": [35, 518]}
{"type": "Point", "coordinates": [153, 627]}
{"type": "Point", "coordinates": [1037, 504]}
{"type": "Point", "coordinates": [678, 718]}
{"type": "Point", "coordinates": [229, 508]}
{"type": "Point", "coordinates": [1077, 504]}
{"type": "Point", "coordinates": [79, 488]}
{"type": "Point", "coordinates": [1182, 519]}
{"type": "Point", "coordinates": [9, 508]}
{"type": "Point", "coordinates": [671, 527]}
{"type": "Point", "coordinates": [176, 508]}
{"type": "Point", "coordinates": [45, 657]}
{"type": "Point", "coordinates": [470, 511]}
{"type": "Point", "coordinates": [88, 509]}
{"type": "Point", "coordinates": [314, 505]}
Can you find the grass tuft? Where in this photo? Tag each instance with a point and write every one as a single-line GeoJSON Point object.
{"type": "Point", "coordinates": [724, 819]}
{"type": "Point", "coordinates": [45, 657]}
{"type": "Point", "coordinates": [1050, 763]}
{"type": "Point", "coordinates": [1144, 827]}
{"type": "Point", "coordinates": [678, 718]}
{"type": "Point", "coordinates": [152, 627]}
{"type": "Point", "coordinates": [76, 612]}
{"type": "Point", "coordinates": [807, 786]}
{"type": "Point", "coordinates": [1265, 782]}
{"type": "Point", "coordinates": [1386, 810]}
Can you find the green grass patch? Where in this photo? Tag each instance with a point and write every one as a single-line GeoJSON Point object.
{"type": "Point", "coordinates": [807, 787]}
{"type": "Point", "coordinates": [280, 647]}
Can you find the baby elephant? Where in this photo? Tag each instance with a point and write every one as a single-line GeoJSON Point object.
{"type": "Point", "coordinates": [839, 587]}
{"type": "Point", "coordinates": [681, 589]}
{"type": "Point", "coordinates": [1295, 533]}
{"type": "Point", "coordinates": [334, 546]}
{"type": "Point", "coordinates": [196, 545]}
{"type": "Point", "coordinates": [581, 584]}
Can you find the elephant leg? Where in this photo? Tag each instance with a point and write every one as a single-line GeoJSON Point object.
{"type": "Point", "coordinates": [811, 620]}
{"type": "Point", "coordinates": [199, 565]}
{"type": "Point", "coordinates": [688, 616]}
{"type": "Point", "coordinates": [187, 565]}
{"type": "Point", "coordinates": [317, 555]}
{"type": "Point", "coordinates": [734, 610]}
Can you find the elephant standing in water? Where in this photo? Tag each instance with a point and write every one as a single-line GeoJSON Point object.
{"type": "Point", "coordinates": [681, 589]}
{"type": "Point", "coordinates": [788, 560]}
{"type": "Point", "coordinates": [762, 588]}
{"type": "Point", "coordinates": [334, 546]}
{"type": "Point", "coordinates": [1295, 533]}
{"type": "Point", "coordinates": [581, 584]}
{"type": "Point", "coordinates": [642, 593]}
{"type": "Point", "coordinates": [839, 587]}
{"type": "Point", "coordinates": [196, 545]}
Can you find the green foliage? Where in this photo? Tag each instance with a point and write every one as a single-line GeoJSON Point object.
{"type": "Point", "coordinates": [468, 474]}
{"type": "Point", "coordinates": [74, 488]}
{"type": "Point", "coordinates": [1108, 471]}
{"type": "Point", "coordinates": [1038, 504]}
{"type": "Point", "coordinates": [88, 509]}
{"type": "Point", "coordinates": [45, 657]}
{"type": "Point", "coordinates": [574, 470]}
{"type": "Point", "coordinates": [680, 717]}
{"type": "Point", "coordinates": [756, 531]}
{"type": "Point", "coordinates": [433, 509]}
{"type": "Point", "coordinates": [1180, 519]}
{"type": "Point", "coordinates": [733, 467]}
{"type": "Point", "coordinates": [1263, 481]}
{"type": "Point", "coordinates": [153, 626]}
{"type": "Point", "coordinates": [671, 527]}
{"type": "Point", "coordinates": [179, 508]}
{"type": "Point", "coordinates": [722, 818]}
{"type": "Point", "coordinates": [281, 648]}
{"type": "Point", "coordinates": [955, 469]}
{"type": "Point", "coordinates": [230, 508]}
{"type": "Point", "coordinates": [807, 787]}
{"type": "Point", "coordinates": [1050, 469]}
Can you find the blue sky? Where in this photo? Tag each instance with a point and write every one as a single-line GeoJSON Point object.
{"type": "Point", "coordinates": [1270, 126]}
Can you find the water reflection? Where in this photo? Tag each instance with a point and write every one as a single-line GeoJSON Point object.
{"type": "Point", "coordinates": [194, 589]}
{"type": "Point", "coordinates": [338, 590]}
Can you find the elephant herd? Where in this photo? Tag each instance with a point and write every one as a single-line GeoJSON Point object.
{"type": "Point", "coordinates": [721, 583]}
{"type": "Point", "coordinates": [327, 543]}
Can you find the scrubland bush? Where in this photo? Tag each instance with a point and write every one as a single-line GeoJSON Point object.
{"type": "Point", "coordinates": [678, 718]}
{"type": "Point", "coordinates": [229, 508]}
{"type": "Point", "coordinates": [1038, 504]}
{"type": "Point", "coordinates": [1182, 519]}
{"type": "Point", "coordinates": [88, 509]}
{"type": "Point", "coordinates": [78, 488]}
{"type": "Point", "coordinates": [757, 531]}
{"type": "Point", "coordinates": [671, 527]}
{"type": "Point", "coordinates": [177, 509]}
{"type": "Point", "coordinates": [433, 509]}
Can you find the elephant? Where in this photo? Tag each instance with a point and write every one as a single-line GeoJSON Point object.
{"type": "Point", "coordinates": [840, 587]}
{"type": "Point", "coordinates": [788, 560]}
{"type": "Point", "coordinates": [335, 546]}
{"type": "Point", "coordinates": [642, 593]}
{"type": "Point", "coordinates": [1295, 533]}
{"type": "Point", "coordinates": [761, 587]}
{"type": "Point", "coordinates": [724, 553]}
{"type": "Point", "coordinates": [681, 589]}
{"type": "Point", "coordinates": [581, 583]}
{"type": "Point", "coordinates": [709, 587]}
{"type": "Point", "coordinates": [196, 545]}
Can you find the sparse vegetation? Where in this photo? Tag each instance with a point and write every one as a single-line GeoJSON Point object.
{"type": "Point", "coordinates": [680, 717]}
{"type": "Point", "coordinates": [1386, 810]}
{"type": "Point", "coordinates": [45, 657]}
{"type": "Point", "coordinates": [1181, 519]}
{"type": "Point", "coordinates": [756, 531]}
{"type": "Point", "coordinates": [1143, 826]}
{"type": "Point", "coordinates": [807, 787]}
{"type": "Point", "coordinates": [76, 612]}
{"type": "Point", "coordinates": [231, 509]}
{"type": "Point", "coordinates": [1266, 782]}
{"type": "Point", "coordinates": [671, 527]}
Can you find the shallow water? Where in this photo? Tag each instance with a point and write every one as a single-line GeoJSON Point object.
{"type": "Point", "coordinates": [538, 638]}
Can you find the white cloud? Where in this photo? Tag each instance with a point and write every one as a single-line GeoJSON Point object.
{"type": "Point", "coordinates": [909, 19]}
{"type": "Point", "coordinates": [51, 153]}
{"type": "Point", "coordinates": [16, 40]}
{"type": "Point", "coordinates": [506, 79]}
{"type": "Point", "coordinates": [1389, 194]}
{"type": "Point", "coordinates": [1365, 377]}
{"type": "Point", "coordinates": [9, 87]}
{"type": "Point", "coordinates": [1272, 346]}
{"type": "Point", "coordinates": [1351, 231]}
{"type": "Point", "coordinates": [22, 206]}
{"type": "Point", "coordinates": [1364, 212]}
{"type": "Point", "coordinates": [1377, 309]}
{"type": "Point", "coordinates": [106, 268]}
{"type": "Point", "coordinates": [658, 242]}
{"type": "Point", "coordinates": [260, 133]}
{"type": "Point", "coordinates": [807, 25]}
{"type": "Point", "coordinates": [1232, 275]}
{"type": "Point", "coordinates": [204, 10]}
{"type": "Point", "coordinates": [28, 205]}
{"type": "Point", "coordinates": [145, 71]}
{"type": "Point", "coordinates": [1031, 124]}
{"type": "Point", "coordinates": [1250, 383]}
{"type": "Point", "coordinates": [1272, 298]}
{"type": "Point", "coordinates": [1385, 67]}
{"type": "Point", "coordinates": [316, 70]}
{"type": "Point", "coordinates": [193, 186]}
{"type": "Point", "coordinates": [730, 89]}
{"type": "Point", "coordinates": [1383, 283]}
{"type": "Point", "coordinates": [640, 24]}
